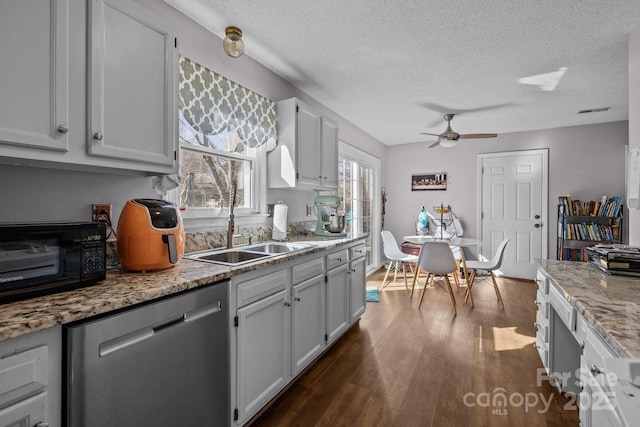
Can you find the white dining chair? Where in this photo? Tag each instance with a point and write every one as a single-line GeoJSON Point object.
{"type": "Point", "coordinates": [490, 266]}
{"type": "Point", "coordinates": [437, 259]}
{"type": "Point", "coordinates": [397, 258]}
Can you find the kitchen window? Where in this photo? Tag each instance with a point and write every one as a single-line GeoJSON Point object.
{"type": "Point", "coordinates": [209, 165]}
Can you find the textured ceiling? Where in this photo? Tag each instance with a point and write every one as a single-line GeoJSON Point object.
{"type": "Point", "coordinates": [394, 67]}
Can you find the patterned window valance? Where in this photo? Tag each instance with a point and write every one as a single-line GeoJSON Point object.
{"type": "Point", "coordinates": [210, 103]}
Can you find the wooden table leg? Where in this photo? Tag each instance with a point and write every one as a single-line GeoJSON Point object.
{"type": "Point", "coordinates": [466, 275]}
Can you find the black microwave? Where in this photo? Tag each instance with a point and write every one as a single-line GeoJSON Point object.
{"type": "Point", "coordinates": [44, 258]}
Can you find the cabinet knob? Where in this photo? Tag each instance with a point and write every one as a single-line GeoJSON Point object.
{"type": "Point", "coordinates": [536, 346]}
{"type": "Point", "coordinates": [41, 424]}
{"type": "Point", "coordinates": [536, 325]}
{"type": "Point", "coordinates": [97, 136]}
{"type": "Point", "coordinates": [287, 304]}
{"type": "Point", "coordinates": [536, 302]}
{"type": "Point", "coordinates": [63, 129]}
{"type": "Point", "coordinates": [537, 225]}
{"type": "Point", "coordinates": [582, 345]}
{"type": "Point", "coordinates": [297, 298]}
{"type": "Point", "coordinates": [595, 370]}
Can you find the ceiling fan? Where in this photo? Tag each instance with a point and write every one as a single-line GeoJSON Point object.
{"type": "Point", "coordinates": [449, 137]}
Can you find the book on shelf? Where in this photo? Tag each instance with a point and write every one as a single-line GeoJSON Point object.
{"type": "Point", "coordinates": [607, 206]}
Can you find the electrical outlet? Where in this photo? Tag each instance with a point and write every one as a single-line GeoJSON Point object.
{"type": "Point", "coordinates": [101, 213]}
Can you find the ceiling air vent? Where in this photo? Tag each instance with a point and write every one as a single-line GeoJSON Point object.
{"type": "Point", "coordinates": [594, 110]}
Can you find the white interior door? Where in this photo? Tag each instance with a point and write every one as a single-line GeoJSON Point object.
{"type": "Point", "coordinates": [513, 204]}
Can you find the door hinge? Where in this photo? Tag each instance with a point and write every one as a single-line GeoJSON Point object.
{"type": "Point", "coordinates": [482, 215]}
{"type": "Point", "coordinates": [326, 279]}
{"type": "Point", "coordinates": [297, 108]}
{"type": "Point", "coordinates": [326, 337]}
{"type": "Point", "coordinates": [175, 155]}
{"type": "Point", "coordinates": [297, 175]}
{"type": "Point", "coordinates": [235, 321]}
{"type": "Point", "coordinates": [235, 414]}
{"type": "Point", "coordinates": [175, 42]}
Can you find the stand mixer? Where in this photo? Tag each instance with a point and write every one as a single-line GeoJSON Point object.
{"type": "Point", "coordinates": [330, 222]}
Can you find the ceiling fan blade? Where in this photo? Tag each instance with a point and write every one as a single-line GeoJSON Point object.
{"type": "Point", "coordinates": [435, 144]}
{"type": "Point", "coordinates": [478, 135]}
{"type": "Point", "coordinates": [432, 134]}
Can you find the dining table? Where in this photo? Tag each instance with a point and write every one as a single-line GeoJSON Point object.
{"type": "Point", "coordinates": [453, 242]}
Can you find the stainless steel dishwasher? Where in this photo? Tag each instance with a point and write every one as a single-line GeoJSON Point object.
{"type": "Point", "coordinates": [163, 364]}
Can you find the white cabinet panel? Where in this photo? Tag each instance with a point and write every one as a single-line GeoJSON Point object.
{"type": "Point", "coordinates": [34, 74]}
{"type": "Point", "coordinates": [307, 322]}
{"type": "Point", "coordinates": [262, 343]}
{"type": "Point", "coordinates": [357, 289]}
{"type": "Point", "coordinates": [337, 302]}
{"type": "Point", "coordinates": [307, 153]}
{"type": "Point", "coordinates": [132, 82]}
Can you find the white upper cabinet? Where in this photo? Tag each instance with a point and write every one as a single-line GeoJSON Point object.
{"type": "Point", "coordinates": [306, 156]}
{"type": "Point", "coordinates": [87, 85]}
{"type": "Point", "coordinates": [132, 84]}
{"type": "Point", "coordinates": [329, 166]}
{"type": "Point", "coordinates": [34, 74]}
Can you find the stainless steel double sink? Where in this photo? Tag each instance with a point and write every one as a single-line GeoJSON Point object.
{"type": "Point", "coordinates": [246, 254]}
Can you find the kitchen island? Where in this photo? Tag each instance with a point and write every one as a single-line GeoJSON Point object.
{"type": "Point", "coordinates": [608, 303]}
{"type": "Point", "coordinates": [588, 339]}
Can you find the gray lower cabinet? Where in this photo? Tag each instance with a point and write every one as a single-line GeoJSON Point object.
{"type": "Point", "coordinates": [337, 294]}
{"type": "Point", "coordinates": [261, 352]}
{"type": "Point", "coordinates": [307, 313]}
{"type": "Point", "coordinates": [30, 379]}
{"type": "Point", "coordinates": [285, 317]}
{"type": "Point", "coordinates": [357, 282]}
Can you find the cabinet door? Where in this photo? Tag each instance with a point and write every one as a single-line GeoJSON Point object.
{"type": "Point", "coordinates": [34, 74]}
{"type": "Point", "coordinates": [308, 151]}
{"type": "Point", "coordinates": [597, 407]}
{"type": "Point", "coordinates": [27, 412]}
{"type": "Point", "coordinates": [132, 85]}
{"type": "Point", "coordinates": [261, 353]}
{"type": "Point", "coordinates": [357, 289]}
{"type": "Point", "coordinates": [307, 322]}
{"type": "Point", "coordinates": [337, 302]}
{"type": "Point", "coordinates": [329, 136]}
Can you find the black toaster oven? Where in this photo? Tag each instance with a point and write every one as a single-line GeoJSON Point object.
{"type": "Point", "coordinates": [43, 258]}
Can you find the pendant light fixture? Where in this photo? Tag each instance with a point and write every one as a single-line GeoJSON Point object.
{"type": "Point", "coordinates": [232, 43]}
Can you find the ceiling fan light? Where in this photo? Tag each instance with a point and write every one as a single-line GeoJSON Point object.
{"type": "Point", "coordinates": [232, 43]}
{"type": "Point", "coordinates": [446, 142]}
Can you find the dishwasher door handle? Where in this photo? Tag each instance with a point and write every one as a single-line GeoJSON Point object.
{"type": "Point", "coordinates": [108, 347]}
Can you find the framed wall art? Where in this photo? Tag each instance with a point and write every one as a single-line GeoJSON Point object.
{"type": "Point", "coordinates": [429, 181]}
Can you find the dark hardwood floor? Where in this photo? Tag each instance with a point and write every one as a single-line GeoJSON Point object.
{"type": "Point", "coordinates": [404, 366]}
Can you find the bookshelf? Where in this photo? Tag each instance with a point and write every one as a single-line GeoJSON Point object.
{"type": "Point", "coordinates": [582, 224]}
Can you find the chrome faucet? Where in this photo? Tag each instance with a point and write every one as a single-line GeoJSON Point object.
{"type": "Point", "coordinates": [232, 202]}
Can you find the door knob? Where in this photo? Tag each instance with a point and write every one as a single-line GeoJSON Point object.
{"type": "Point", "coordinates": [63, 128]}
{"type": "Point", "coordinates": [97, 136]}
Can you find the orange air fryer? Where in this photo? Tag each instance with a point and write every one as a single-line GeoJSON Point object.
{"type": "Point", "coordinates": [150, 235]}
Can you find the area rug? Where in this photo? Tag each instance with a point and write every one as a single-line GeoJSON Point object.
{"type": "Point", "coordinates": [372, 295]}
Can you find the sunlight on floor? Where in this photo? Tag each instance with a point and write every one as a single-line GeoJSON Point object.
{"type": "Point", "coordinates": [505, 339]}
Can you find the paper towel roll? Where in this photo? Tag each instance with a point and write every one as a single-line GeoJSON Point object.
{"type": "Point", "coordinates": [279, 222]}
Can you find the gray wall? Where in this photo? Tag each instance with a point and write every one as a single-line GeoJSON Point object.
{"type": "Point", "coordinates": [31, 194]}
{"type": "Point", "coordinates": [585, 161]}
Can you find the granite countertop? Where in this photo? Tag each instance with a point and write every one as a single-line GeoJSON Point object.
{"type": "Point", "coordinates": [123, 289]}
{"type": "Point", "coordinates": [609, 303]}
